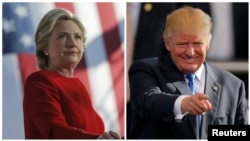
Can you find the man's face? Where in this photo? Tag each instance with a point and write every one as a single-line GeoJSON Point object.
{"type": "Point", "coordinates": [188, 52]}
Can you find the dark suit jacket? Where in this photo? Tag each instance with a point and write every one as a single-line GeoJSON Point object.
{"type": "Point", "coordinates": [155, 83]}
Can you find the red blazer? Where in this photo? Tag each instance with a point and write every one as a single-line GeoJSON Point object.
{"type": "Point", "coordinates": [58, 107]}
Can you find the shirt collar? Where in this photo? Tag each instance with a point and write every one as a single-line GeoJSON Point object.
{"type": "Point", "coordinates": [199, 72]}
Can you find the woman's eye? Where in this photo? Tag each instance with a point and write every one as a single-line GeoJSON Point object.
{"type": "Point", "coordinates": [61, 36]}
{"type": "Point", "coordinates": [78, 37]}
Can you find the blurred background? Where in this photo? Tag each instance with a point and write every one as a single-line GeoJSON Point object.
{"type": "Point", "coordinates": [101, 69]}
{"type": "Point", "coordinates": [228, 49]}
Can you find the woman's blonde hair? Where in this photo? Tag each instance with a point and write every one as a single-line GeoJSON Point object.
{"type": "Point", "coordinates": [188, 20]}
{"type": "Point", "coordinates": [45, 28]}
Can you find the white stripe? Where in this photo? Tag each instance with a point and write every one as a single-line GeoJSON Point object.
{"type": "Point", "coordinates": [98, 68]}
{"type": "Point", "coordinates": [222, 44]}
{"type": "Point", "coordinates": [13, 127]}
{"type": "Point", "coordinates": [38, 10]}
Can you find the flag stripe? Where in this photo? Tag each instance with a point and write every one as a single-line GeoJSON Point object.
{"type": "Point", "coordinates": [114, 53]}
{"type": "Point", "coordinates": [12, 98]}
{"type": "Point", "coordinates": [66, 5]}
{"type": "Point", "coordinates": [24, 61]}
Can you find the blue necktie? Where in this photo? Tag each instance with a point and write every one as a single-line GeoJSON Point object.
{"type": "Point", "coordinates": [191, 78]}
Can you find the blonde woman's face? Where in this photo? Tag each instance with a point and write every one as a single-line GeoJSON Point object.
{"type": "Point", "coordinates": [65, 47]}
{"type": "Point", "coordinates": [188, 52]}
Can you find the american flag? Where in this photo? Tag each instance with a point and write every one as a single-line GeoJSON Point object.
{"type": "Point", "coordinates": [101, 69]}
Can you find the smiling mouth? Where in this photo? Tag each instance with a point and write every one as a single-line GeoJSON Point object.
{"type": "Point", "coordinates": [189, 60]}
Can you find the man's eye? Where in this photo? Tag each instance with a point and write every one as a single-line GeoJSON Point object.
{"type": "Point", "coordinates": [198, 44]}
{"type": "Point", "coordinates": [181, 44]}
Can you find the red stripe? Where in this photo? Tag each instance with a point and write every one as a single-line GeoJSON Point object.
{"type": "Point", "coordinates": [115, 55]}
{"type": "Point", "coordinates": [66, 5]}
{"type": "Point", "coordinates": [81, 69]}
{"type": "Point", "coordinates": [27, 65]}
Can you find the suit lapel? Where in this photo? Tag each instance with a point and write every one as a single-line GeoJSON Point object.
{"type": "Point", "coordinates": [182, 87]}
{"type": "Point", "coordinates": [174, 76]}
{"type": "Point", "coordinates": [212, 89]}
{"type": "Point", "coordinates": [184, 90]}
